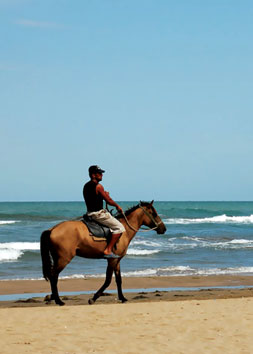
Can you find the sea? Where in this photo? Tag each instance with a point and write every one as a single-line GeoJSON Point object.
{"type": "Point", "coordinates": [202, 238]}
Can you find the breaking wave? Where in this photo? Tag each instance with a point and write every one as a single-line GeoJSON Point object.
{"type": "Point", "coordinates": [173, 271]}
{"type": "Point", "coordinates": [188, 242]}
{"type": "Point", "coordinates": [12, 251]}
{"type": "Point", "coordinates": [135, 252]}
{"type": "Point", "coordinates": [215, 219]}
{"type": "Point", "coordinates": [6, 222]}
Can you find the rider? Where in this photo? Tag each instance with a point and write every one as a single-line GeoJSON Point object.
{"type": "Point", "coordinates": [94, 195]}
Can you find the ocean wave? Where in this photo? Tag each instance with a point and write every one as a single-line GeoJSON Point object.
{"type": "Point", "coordinates": [9, 255]}
{"type": "Point", "coordinates": [186, 270]}
{"type": "Point", "coordinates": [241, 241]}
{"type": "Point", "coordinates": [5, 222]}
{"type": "Point", "coordinates": [215, 219]}
{"type": "Point", "coordinates": [188, 242]}
{"type": "Point", "coordinates": [137, 273]}
{"type": "Point", "coordinates": [173, 271]}
{"type": "Point", "coordinates": [20, 245]}
{"type": "Point", "coordinates": [12, 251]}
{"type": "Point", "coordinates": [145, 243]}
{"type": "Point", "coordinates": [225, 271]}
{"type": "Point", "coordinates": [34, 217]}
{"type": "Point", "coordinates": [136, 252]}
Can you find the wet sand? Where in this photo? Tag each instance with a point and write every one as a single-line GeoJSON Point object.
{"type": "Point", "coordinates": [209, 289]}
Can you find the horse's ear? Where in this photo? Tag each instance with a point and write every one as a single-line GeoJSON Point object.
{"type": "Point", "coordinates": [151, 203]}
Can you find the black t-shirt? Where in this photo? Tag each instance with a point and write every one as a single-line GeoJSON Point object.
{"type": "Point", "coordinates": [94, 201]}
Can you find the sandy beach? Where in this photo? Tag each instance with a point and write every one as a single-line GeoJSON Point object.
{"type": "Point", "coordinates": [198, 321]}
{"type": "Point", "coordinates": [207, 326]}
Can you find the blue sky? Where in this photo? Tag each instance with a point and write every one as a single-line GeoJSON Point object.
{"type": "Point", "coordinates": [158, 93]}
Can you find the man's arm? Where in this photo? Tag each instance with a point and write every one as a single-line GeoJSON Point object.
{"type": "Point", "coordinates": [107, 198]}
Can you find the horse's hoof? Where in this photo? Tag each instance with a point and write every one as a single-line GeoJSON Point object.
{"type": "Point", "coordinates": [123, 300]}
{"type": "Point", "coordinates": [47, 298]}
{"type": "Point", "coordinates": [91, 301]}
{"type": "Point", "coordinates": [60, 303]}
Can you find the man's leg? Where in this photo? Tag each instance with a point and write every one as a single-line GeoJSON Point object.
{"type": "Point", "coordinates": [105, 218]}
{"type": "Point", "coordinates": [112, 242]}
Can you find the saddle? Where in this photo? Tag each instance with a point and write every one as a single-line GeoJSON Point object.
{"type": "Point", "coordinates": [95, 228]}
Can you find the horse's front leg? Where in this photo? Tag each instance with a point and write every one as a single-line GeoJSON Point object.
{"type": "Point", "coordinates": [108, 279]}
{"type": "Point", "coordinates": [119, 283]}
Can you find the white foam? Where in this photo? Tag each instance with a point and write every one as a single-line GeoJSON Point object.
{"type": "Point", "coordinates": [233, 244]}
{"type": "Point", "coordinates": [225, 271]}
{"type": "Point", "coordinates": [166, 271]}
{"type": "Point", "coordinates": [140, 273]}
{"type": "Point", "coordinates": [9, 255]}
{"type": "Point", "coordinates": [193, 242]}
{"type": "Point", "coordinates": [241, 241]}
{"type": "Point", "coordinates": [11, 251]}
{"type": "Point", "coordinates": [186, 270]}
{"type": "Point", "coordinates": [145, 243]}
{"type": "Point", "coordinates": [215, 219]}
{"type": "Point", "coordinates": [80, 276]}
{"type": "Point", "coordinates": [135, 252]}
{"type": "Point", "coordinates": [4, 222]}
{"type": "Point", "coordinates": [174, 271]}
{"type": "Point", "coordinates": [20, 245]}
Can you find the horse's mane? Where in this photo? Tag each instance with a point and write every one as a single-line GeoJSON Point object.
{"type": "Point", "coordinates": [131, 209]}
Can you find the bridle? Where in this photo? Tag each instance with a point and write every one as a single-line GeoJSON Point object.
{"type": "Point", "coordinates": [149, 215]}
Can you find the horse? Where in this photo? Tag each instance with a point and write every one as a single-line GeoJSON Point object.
{"type": "Point", "coordinates": [60, 244]}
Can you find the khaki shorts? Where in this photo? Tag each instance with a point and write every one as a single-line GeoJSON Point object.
{"type": "Point", "coordinates": [105, 218]}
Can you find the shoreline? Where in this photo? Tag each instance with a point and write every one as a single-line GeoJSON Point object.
{"type": "Point", "coordinates": [136, 289]}
{"type": "Point", "coordinates": [92, 284]}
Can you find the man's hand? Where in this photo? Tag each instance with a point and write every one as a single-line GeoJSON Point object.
{"type": "Point", "coordinates": [107, 198]}
{"type": "Point", "coordinates": [119, 209]}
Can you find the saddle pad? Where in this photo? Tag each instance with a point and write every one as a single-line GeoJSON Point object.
{"type": "Point", "coordinates": [95, 228]}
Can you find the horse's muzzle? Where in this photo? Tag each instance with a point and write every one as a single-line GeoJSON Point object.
{"type": "Point", "coordinates": [161, 229]}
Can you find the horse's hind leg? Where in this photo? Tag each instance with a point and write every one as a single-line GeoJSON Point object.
{"type": "Point", "coordinates": [55, 295]}
{"type": "Point", "coordinates": [109, 272]}
{"type": "Point", "coordinates": [59, 265]}
{"type": "Point", "coordinates": [119, 283]}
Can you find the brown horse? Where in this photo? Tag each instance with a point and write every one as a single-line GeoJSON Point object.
{"type": "Point", "coordinates": [72, 238]}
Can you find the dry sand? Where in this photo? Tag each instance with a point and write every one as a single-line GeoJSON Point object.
{"type": "Point", "coordinates": [204, 321]}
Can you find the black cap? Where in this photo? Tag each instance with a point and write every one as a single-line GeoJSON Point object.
{"type": "Point", "coordinates": [95, 169]}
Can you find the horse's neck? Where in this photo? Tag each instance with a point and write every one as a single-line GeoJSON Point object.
{"type": "Point", "coordinates": [133, 224]}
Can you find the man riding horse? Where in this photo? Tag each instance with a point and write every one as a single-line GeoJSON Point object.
{"type": "Point", "coordinates": [94, 195]}
{"type": "Point", "coordinates": [61, 243]}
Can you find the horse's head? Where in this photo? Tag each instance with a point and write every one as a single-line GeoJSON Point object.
{"type": "Point", "coordinates": [151, 218]}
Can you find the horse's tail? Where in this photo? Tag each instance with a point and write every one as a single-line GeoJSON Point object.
{"type": "Point", "coordinates": [45, 254]}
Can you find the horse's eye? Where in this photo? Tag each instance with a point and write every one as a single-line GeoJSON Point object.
{"type": "Point", "coordinates": [154, 213]}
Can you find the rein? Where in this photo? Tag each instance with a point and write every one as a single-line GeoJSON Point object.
{"type": "Point", "coordinates": [143, 230]}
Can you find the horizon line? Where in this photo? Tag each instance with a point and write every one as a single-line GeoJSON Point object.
{"type": "Point", "coordinates": [126, 201]}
